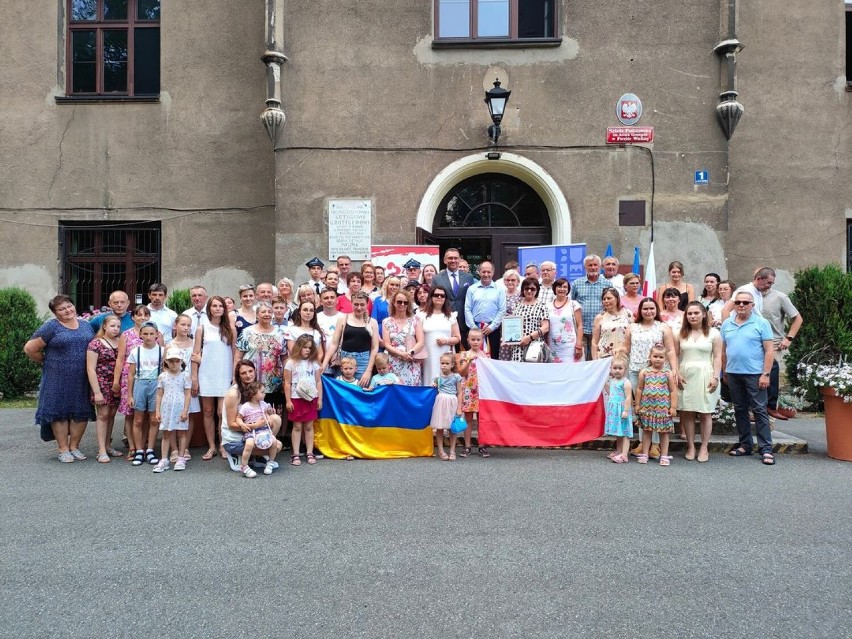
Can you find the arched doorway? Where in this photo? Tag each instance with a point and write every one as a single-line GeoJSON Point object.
{"type": "Point", "coordinates": [488, 208]}
{"type": "Point", "coordinates": [487, 217]}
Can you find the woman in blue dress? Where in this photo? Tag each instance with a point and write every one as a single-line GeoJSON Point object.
{"type": "Point", "coordinates": [64, 409]}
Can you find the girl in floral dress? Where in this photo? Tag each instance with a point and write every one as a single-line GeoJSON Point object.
{"type": "Point", "coordinates": [100, 366]}
{"type": "Point", "coordinates": [470, 387]}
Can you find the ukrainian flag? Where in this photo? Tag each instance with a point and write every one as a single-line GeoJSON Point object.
{"type": "Point", "coordinates": [387, 423]}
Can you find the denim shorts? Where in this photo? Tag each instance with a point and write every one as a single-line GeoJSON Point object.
{"type": "Point", "coordinates": [234, 448]}
{"type": "Point", "coordinates": [145, 395]}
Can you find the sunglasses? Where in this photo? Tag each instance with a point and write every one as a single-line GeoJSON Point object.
{"type": "Point", "coordinates": [530, 288]}
{"type": "Point", "coordinates": [439, 296]}
{"type": "Point", "coordinates": [743, 303]}
{"type": "Point", "coordinates": [401, 303]}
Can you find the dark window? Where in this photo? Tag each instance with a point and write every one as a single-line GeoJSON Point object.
{"type": "Point", "coordinates": [631, 212]}
{"type": "Point", "coordinates": [848, 43]}
{"type": "Point", "coordinates": [114, 47]}
{"type": "Point", "coordinates": [99, 259]}
{"type": "Point", "coordinates": [492, 199]}
{"type": "Point", "coordinates": [495, 20]}
{"type": "Point", "coordinates": [849, 246]}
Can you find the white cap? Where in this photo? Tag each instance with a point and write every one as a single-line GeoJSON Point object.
{"type": "Point", "coordinates": [174, 353]}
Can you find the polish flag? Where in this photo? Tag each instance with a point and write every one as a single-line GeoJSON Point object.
{"type": "Point", "coordinates": [649, 286]}
{"type": "Point", "coordinates": [524, 404]}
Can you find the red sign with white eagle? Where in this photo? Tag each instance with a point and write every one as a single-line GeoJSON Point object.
{"type": "Point", "coordinates": [629, 134]}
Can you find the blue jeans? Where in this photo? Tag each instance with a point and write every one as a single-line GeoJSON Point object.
{"type": "Point", "coordinates": [361, 361]}
{"type": "Point", "coordinates": [774, 384]}
{"type": "Point", "coordinates": [746, 394]}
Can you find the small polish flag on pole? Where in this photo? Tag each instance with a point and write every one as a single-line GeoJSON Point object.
{"type": "Point", "coordinates": [649, 287]}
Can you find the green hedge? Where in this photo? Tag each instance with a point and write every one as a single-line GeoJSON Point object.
{"type": "Point", "coordinates": [18, 321]}
{"type": "Point", "coordinates": [179, 300]}
{"type": "Point", "coordinates": [823, 295]}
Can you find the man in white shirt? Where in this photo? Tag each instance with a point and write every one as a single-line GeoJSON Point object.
{"type": "Point", "coordinates": [548, 276]}
{"type": "Point", "coordinates": [161, 315]}
{"type": "Point", "coordinates": [484, 308]}
{"type": "Point", "coordinates": [344, 265]}
{"type": "Point", "coordinates": [198, 312]}
{"type": "Point", "coordinates": [610, 271]}
{"type": "Point", "coordinates": [315, 266]}
{"type": "Point", "coordinates": [327, 320]}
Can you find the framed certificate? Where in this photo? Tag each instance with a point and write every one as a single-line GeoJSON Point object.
{"type": "Point", "coordinates": [512, 329]}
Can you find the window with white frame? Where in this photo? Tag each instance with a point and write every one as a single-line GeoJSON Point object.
{"type": "Point", "coordinates": [495, 20]}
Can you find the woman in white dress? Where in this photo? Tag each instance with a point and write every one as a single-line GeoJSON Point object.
{"type": "Point", "coordinates": [700, 350]}
{"type": "Point", "coordinates": [211, 378]}
{"type": "Point", "coordinates": [440, 331]}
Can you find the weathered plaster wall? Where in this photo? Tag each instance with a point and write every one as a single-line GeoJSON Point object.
{"type": "Point", "coordinates": [369, 78]}
{"type": "Point", "coordinates": [199, 160]}
{"type": "Point", "coordinates": [791, 154]}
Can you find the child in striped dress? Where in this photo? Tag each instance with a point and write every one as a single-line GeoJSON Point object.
{"type": "Point", "coordinates": [656, 404]}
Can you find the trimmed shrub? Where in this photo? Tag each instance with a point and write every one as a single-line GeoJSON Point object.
{"type": "Point", "coordinates": [18, 321]}
{"type": "Point", "coordinates": [179, 300]}
{"type": "Point", "coordinates": [823, 295]}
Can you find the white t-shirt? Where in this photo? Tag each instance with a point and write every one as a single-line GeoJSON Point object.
{"type": "Point", "coordinates": [164, 318]}
{"type": "Point", "coordinates": [327, 323]}
{"type": "Point", "coordinates": [148, 361]}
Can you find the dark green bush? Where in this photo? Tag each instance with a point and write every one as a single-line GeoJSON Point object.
{"type": "Point", "coordinates": [823, 295]}
{"type": "Point", "coordinates": [18, 321]}
{"type": "Point", "coordinates": [179, 300]}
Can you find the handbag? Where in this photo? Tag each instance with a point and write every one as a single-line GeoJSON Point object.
{"type": "Point", "coordinates": [410, 341]}
{"type": "Point", "coordinates": [306, 390]}
{"type": "Point", "coordinates": [458, 425]}
{"type": "Point", "coordinates": [537, 352]}
{"type": "Point", "coordinates": [263, 438]}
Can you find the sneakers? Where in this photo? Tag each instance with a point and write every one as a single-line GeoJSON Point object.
{"type": "Point", "coordinates": [267, 470]}
{"type": "Point", "coordinates": [248, 472]}
{"type": "Point", "coordinates": [274, 463]}
{"type": "Point", "coordinates": [180, 464]}
{"type": "Point", "coordinates": [162, 466]}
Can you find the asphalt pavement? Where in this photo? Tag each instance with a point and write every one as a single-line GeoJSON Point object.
{"type": "Point", "coordinates": [528, 543]}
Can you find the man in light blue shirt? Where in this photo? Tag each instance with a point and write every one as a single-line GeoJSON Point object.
{"type": "Point", "coordinates": [485, 306]}
{"type": "Point", "coordinates": [747, 359]}
{"type": "Point", "coordinates": [588, 290]}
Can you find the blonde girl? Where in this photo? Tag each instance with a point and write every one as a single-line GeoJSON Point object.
{"type": "Point", "coordinates": [172, 410]}
{"type": "Point", "coordinates": [618, 395]}
{"type": "Point", "coordinates": [303, 395]}
{"type": "Point", "coordinates": [447, 406]}
{"type": "Point", "coordinates": [470, 388]}
{"type": "Point", "coordinates": [101, 356]}
{"type": "Point", "coordinates": [656, 404]}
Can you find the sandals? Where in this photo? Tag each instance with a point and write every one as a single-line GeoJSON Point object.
{"type": "Point", "coordinates": [465, 452]}
{"type": "Point", "coordinates": [665, 460]}
{"type": "Point", "coordinates": [620, 459]}
{"type": "Point", "coordinates": [77, 455]}
{"type": "Point", "coordinates": [768, 459]}
{"type": "Point", "coordinates": [66, 457]}
{"type": "Point", "coordinates": [138, 457]}
{"type": "Point", "coordinates": [295, 461]}
{"type": "Point", "coordinates": [443, 456]}
{"type": "Point", "coordinates": [112, 452]}
{"type": "Point", "coordinates": [740, 452]}
{"type": "Point", "coordinates": [452, 457]}
{"type": "Point", "coordinates": [150, 457]}
{"type": "Point", "coordinates": [103, 458]}
{"type": "Point", "coordinates": [312, 459]}
{"type": "Point", "coordinates": [210, 454]}
{"type": "Point", "coordinates": [483, 452]}
{"type": "Point", "coordinates": [641, 458]}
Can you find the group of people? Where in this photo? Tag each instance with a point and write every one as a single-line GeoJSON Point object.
{"type": "Point", "coordinates": [258, 361]}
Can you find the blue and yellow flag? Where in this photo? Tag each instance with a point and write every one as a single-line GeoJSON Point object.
{"type": "Point", "coordinates": [387, 423]}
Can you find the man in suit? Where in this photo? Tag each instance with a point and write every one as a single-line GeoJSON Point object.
{"type": "Point", "coordinates": [455, 282]}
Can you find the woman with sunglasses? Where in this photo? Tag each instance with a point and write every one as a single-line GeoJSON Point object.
{"type": "Point", "coordinates": [402, 338]}
{"type": "Point", "coordinates": [440, 331]}
{"type": "Point", "coordinates": [534, 316]}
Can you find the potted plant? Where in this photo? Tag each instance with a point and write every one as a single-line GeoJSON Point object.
{"type": "Point", "coordinates": [789, 404]}
{"type": "Point", "coordinates": [834, 382]}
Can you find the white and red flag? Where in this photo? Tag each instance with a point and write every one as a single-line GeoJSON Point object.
{"type": "Point", "coordinates": [649, 286]}
{"type": "Point", "coordinates": [522, 404]}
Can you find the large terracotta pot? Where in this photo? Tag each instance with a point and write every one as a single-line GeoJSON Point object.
{"type": "Point", "coordinates": [838, 425]}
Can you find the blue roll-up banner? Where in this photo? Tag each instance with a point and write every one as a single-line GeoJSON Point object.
{"type": "Point", "coordinates": [568, 258]}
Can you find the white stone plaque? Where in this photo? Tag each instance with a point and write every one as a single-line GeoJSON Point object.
{"type": "Point", "coordinates": [350, 229]}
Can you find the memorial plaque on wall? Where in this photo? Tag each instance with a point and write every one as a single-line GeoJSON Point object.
{"type": "Point", "coordinates": [350, 229]}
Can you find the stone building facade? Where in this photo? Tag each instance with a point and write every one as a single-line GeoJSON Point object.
{"type": "Point", "coordinates": [384, 101]}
